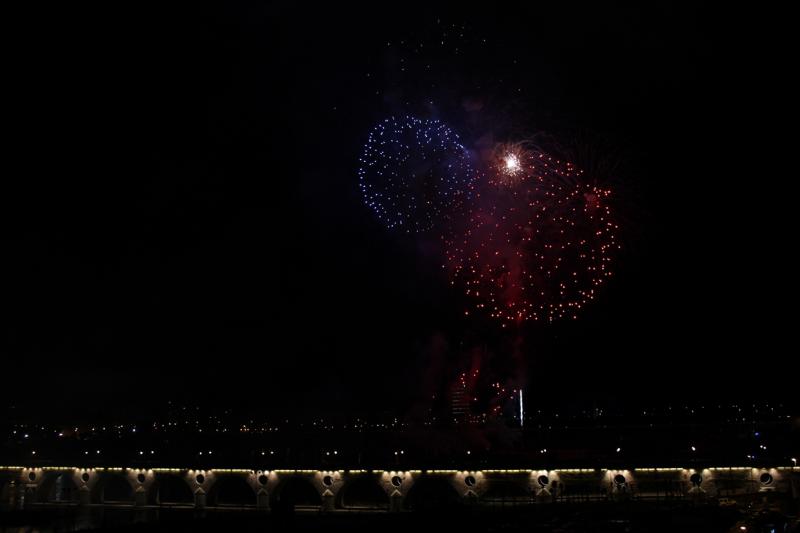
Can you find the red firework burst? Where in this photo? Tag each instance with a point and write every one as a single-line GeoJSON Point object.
{"type": "Point", "coordinates": [537, 245]}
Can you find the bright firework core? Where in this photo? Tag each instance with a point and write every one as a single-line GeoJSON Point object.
{"type": "Point", "coordinates": [512, 164]}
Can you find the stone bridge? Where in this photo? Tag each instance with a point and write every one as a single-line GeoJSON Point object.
{"type": "Point", "coordinates": [341, 490]}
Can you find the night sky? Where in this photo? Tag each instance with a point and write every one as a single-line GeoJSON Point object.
{"type": "Point", "coordinates": [184, 219]}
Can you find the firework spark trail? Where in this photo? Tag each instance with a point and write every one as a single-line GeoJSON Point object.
{"type": "Point", "coordinates": [537, 243]}
{"type": "Point", "coordinates": [532, 240]}
{"type": "Point", "coordinates": [414, 173]}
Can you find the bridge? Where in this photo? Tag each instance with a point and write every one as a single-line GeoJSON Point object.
{"type": "Point", "coordinates": [380, 490]}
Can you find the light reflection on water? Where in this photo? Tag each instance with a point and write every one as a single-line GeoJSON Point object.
{"type": "Point", "coordinates": [73, 518]}
{"type": "Point", "coordinates": [593, 519]}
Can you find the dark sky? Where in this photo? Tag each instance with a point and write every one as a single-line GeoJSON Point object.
{"type": "Point", "coordinates": [184, 219]}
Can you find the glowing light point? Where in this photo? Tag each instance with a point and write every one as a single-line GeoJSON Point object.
{"type": "Point", "coordinates": [512, 163]}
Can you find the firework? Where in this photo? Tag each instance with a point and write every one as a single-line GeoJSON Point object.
{"type": "Point", "coordinates": [538, 242]}
{"type": "Point", "coordinates": [414, 173]}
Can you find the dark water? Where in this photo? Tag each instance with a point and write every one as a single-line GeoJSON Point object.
{"type": "Point", "coordinates": [562, 518]}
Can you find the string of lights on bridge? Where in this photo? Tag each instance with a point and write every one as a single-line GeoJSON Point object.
{"type": "Point", "coordinates": [173, 470]}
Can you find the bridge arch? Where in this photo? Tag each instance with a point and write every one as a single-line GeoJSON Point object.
{"type": "Point", "coordinates": [362, 492]}
{"type": "Point", "coordinates": [431, 492]}
{"type": "Point", "coordinates": [112, 487]}
{"type": "Point", "coordinates": [58, 487]}
{"type": "Point", "coordinates": [4, 489]}
{"type": "Point", "coordinates": [507, 491]}
{"type": "Point", "coordinates": [231, 490]}
{"type": "Point", "coordinates": [294, 491]}
{"type": "Point", "coordinates": [171, 489]}
{"type": "Point", "coordinates": [7, 488]}
{"type": "Point", "coordinates": [659, 485]}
